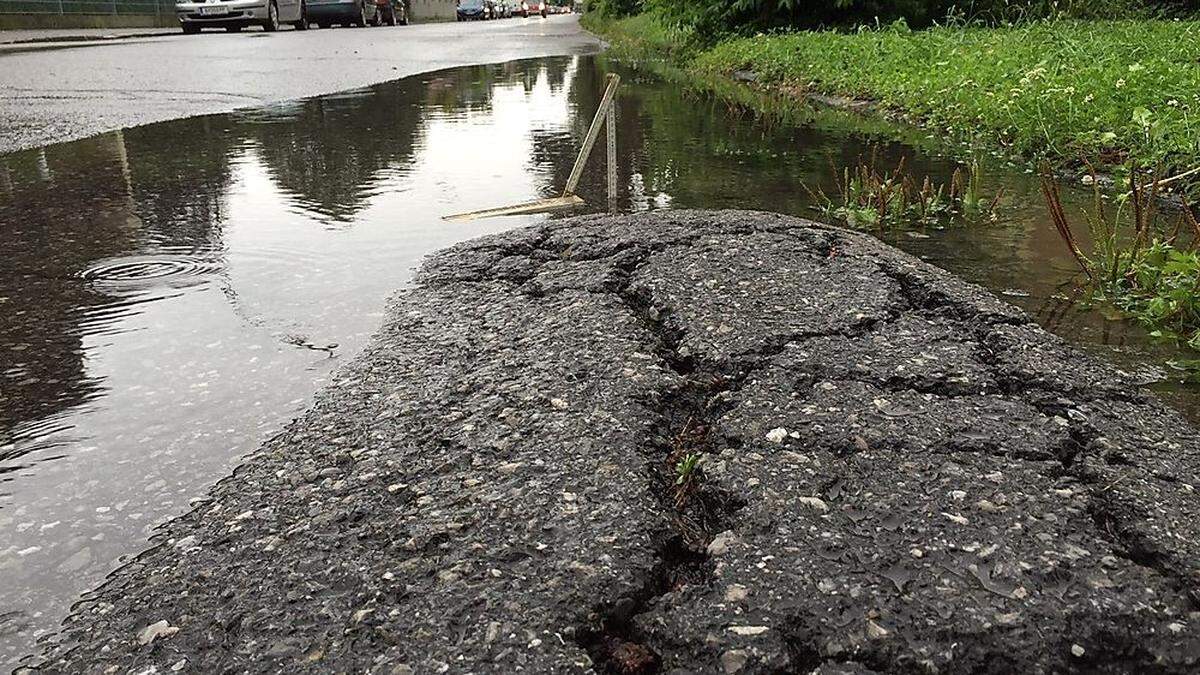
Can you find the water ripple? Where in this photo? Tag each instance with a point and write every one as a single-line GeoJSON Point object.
{"type": "Point", "coordinates": [149, 270]}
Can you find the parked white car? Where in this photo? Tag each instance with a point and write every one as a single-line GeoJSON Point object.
{"type": "Point", "coordinates": [234, 15]}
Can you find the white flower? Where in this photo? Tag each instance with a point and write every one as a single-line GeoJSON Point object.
{"type": "Point", "coordinates": [1120, 83]}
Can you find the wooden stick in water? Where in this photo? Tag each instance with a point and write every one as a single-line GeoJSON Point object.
{"type": "Point", "coordinates": [610, 124]}
{"type": "Point", "coordinates": [593, 132]}
{"type": "Point", "coordinates": [568, 199]}
{"type": "Point", "coordinates": [537, 206]}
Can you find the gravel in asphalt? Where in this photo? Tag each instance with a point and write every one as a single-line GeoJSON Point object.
{"type": "Point", "coordinates": [686, 442]}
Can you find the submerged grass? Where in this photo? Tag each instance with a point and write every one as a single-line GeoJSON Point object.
{"type": "Point", "coordinates": [1109, 93]}
{"type": "Point", "coordinates": [872, 198]}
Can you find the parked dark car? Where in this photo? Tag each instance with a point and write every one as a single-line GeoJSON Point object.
{"type": "Point", "coordinates": [326, 13]}
{"type": "Point", "coordinates": [472, 10]}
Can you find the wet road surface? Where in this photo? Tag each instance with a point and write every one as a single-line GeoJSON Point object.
{"type": "Point", "coordinates": [75, 91]}
{"type": "Point", "coordinates": [173, 294]}
{"type": "Point", "coordinates": [46, 35]}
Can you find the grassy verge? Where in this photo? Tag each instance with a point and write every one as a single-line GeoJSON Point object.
{"type": "Point", "coordinates": [1115, 95]}
{"type": "Point", "coordinates": [1103, 92]}
{"type": "Point", "coordinates": [645, 37]}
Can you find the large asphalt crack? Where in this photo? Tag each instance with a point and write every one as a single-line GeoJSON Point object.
{"type": "Point", "coordinates": [699, 510]}
{"type": "Point", "coordinates": [696, 510]}
{"type": "Point", "coordinates": [1116, 521]}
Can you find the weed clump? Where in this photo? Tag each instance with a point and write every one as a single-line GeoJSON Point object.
{"type": "Point", "coordinates": [1137, 263]}
{"type": "Point", "coordinates": [870, 198]}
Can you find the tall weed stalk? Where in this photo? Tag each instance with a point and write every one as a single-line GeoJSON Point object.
{"type": "Point", "coordinates": [1143, 267]}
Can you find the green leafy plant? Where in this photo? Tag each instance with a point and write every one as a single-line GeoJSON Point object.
{"type": "Point", "coordinates": [717, 19]}
{"type": "Point", "coordinates": [1161, 287]}
{"type": "Point", "coordinates": [687, 474]}
{"type": "Point", "coordinates": [686, 456]}
{"type": "Point", "coordinates": [968, 186]}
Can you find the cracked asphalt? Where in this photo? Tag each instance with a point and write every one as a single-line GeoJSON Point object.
{"type": "Point", "coordinates": [897, 473]}
{"type": "Point", "coordinates": [57, 92]}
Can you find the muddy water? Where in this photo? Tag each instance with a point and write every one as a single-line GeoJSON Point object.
{"type": "Point", "coordinates": [172, 295]}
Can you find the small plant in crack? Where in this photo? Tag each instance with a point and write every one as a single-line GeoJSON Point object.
{"type": "Point", "coordinates": [686, 475]}
{"type": "Point", "coordinates": [686, 457]}
{"type": "Point", "coordinates": [686, 467]}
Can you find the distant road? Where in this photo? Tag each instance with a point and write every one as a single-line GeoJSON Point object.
{"type": "Point", "coordinates": [29, 36]}
{"type": "Point", "coordinates": [75, 90]}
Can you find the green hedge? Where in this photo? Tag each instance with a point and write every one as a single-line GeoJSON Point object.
{"type": "Point", "coordinates": [714, 19]}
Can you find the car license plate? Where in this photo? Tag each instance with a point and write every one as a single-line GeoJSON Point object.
{"type": "Point", "coordinates": [211, 11]}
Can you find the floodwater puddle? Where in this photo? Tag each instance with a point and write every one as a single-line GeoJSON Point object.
{"type": "Point", "coordinates": [173, 294]}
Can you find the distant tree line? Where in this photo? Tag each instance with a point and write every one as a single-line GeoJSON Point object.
{"type": "Point", "coordinates": [714, 18]}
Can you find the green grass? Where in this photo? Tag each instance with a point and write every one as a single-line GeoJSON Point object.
{"type": "Point", "coordinates": [644, 36]}
{"type": "Point", "coordinates": [1108, 93]}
